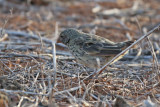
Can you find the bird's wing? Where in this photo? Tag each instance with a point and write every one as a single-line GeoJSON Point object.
{"type": "Point", "coordinates": [101, 49]}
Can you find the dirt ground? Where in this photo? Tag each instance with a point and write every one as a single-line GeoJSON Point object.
{"type": "Point", "coordinates": [33, 73]}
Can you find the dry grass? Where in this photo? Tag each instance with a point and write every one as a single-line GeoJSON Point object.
{"type": "Point", "coordinates": [28, 70]}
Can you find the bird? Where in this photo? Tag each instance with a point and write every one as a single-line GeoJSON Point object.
{"type": "Point", "coordinates": [91, 50]}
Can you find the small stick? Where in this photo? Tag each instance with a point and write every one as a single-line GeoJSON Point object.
{"type": "Point", "coordinates": [54, 64]}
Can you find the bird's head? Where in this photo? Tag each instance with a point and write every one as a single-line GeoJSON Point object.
{"type": "Point", "coordinates": [68, 34]}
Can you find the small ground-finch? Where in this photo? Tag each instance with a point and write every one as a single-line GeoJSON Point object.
{"type": "Point", "coordinates": [91, 50]}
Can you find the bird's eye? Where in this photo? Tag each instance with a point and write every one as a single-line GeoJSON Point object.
{"type": "Point", "coordinates": [61, 36]}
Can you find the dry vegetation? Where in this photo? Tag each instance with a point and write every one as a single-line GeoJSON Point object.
{"type": "Point", "coordinates": [33, 73]}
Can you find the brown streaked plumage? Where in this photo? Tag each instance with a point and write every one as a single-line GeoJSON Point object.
{"type": "Point", "coordinates": [91, 50]}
